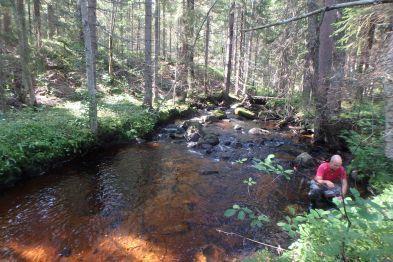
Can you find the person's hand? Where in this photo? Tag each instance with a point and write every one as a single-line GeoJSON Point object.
{"type": "Point", "coordinates": [340, 198]}
{"type": "Point", "coordinates": [329, 184]}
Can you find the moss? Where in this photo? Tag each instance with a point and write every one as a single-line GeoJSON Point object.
{"type": "Point", "coordinates": [30, 141]}
{"type": "Point", "coordinates": [240, 111]}
{"type": "Point", "coordinates": [219, 114]}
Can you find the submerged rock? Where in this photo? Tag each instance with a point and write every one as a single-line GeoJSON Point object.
{"type": "Point", "coordinates": [175, 229]}
{"type": "Point", "coordinates": [65, 252]}
{"type": "Point", "coordinates": [258, 131]}
{"type": "Point", "coordinates": [210, 253]}
{"type": "Point", "coordinates": [209, 172]}
{"type": "Point", "coordinates": [211, 139]}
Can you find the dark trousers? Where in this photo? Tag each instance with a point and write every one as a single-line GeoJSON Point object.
{"type": "Point", "coordinates": [321, 196]}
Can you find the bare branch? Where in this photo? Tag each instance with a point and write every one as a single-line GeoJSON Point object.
{"type": "Point", "coordinates": [320, 10]}
{"type": "Point", "coordinates": [279, 249]}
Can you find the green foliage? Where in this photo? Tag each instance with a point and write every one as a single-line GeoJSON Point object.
{"type": "Point", "coordinates": [29, 139]}
{"type": "Point", "coordinates": [358, 230]}
{"type": "Point", "coordinates": [270, 167]}
{"type": "Point", "coordinates": [263, 255]}
{"type": "Point", "coordinates": [367, 145]}
{"type": "Point", "coordinates": [244, 212]}
{"type": "Point", "coordinates": [241, 161]}
{"type": "Point", "coordinates": [249, 181]}
{"type": "Point", "coordinates": [66, 54]}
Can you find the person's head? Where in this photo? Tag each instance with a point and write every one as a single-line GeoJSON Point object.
{"type": "Point", "coordinates": [335, 162]}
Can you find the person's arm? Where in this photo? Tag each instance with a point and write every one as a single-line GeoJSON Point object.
{"type": "Point", "coordinates": [319, 180]}
{"type": "Point", "coordinates": [319, 177]}
{"type": "Point", "coordinates": [344, 186]}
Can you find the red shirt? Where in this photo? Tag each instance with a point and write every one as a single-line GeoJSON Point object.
{"type": "Point", "coordinates": [326, 173]}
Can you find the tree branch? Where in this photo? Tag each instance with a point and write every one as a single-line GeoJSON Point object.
{"type": "Point", "coordinates": [320, 10]}
{"type": "Point", "coordinates": [278, 248]}
{"type": "Point", "coordinates": [203, 22]}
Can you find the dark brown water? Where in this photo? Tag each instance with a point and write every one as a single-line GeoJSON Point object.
{"type": "Point", "coordinates": [158, 201]}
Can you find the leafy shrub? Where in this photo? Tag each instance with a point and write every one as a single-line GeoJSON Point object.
{"type": "Point", "coordinates": [270, 167]}
{"type": "Point", "coordinates": [244, 212]}
{"type": "Point", "coordinates": [367, 145]}
{"type": "Point", "coordinates": [29, 139]}
{"type": "Point", "coordinates": [358, 230]}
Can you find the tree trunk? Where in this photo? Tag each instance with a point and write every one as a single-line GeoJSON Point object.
{"type": "Point", "coordinates": [110, 39]}
{"type": "Point", "coordinates": [2, 91]}
{"type": "Point", "coordinates": [37, 21]}
{"type": "Point", "coordinates": [138, 36]}
{"type": "Point", "coordinates": [247, 63]}
{"type": "Point", "coordinates": [170, 42]}
{"type": "Point", "coordinates": [388, 90]}
{"type": "Point", "coordinates": [88, 9]}
{"type": "Point", "coordinates": [51, 21]}
{"type": "Point", "coordinates": [310, 77]}
{"type": "Point", "coordinates": [156, 49]}
{"type": "Point", "coordinates": [131, 44]}
{"type": "Point", "coordinates": [187, 51]}
{"type": "Point", "coordinates": [27, 92]}
{"type": "Point", "coordinates": [324, 130]}
{"type": "Point", "coordinates": [148, 70]}
{"type": "Point", "coordinates": [93, 29]}
{"type": "Point", "coordinates": [7, 21]}
{"type": "Point", "coordinates": [207, 40]}
{"type": "Point", "coordinates": [30, 24]}
{"type": "Point", "coordinates": [335, 92]}
{"type": "Point", "coordinates": [164, 30]}
{"type": "Point", "coordinates": [240, 58]}
{"type": "Point", "coordinates": [228, 59]}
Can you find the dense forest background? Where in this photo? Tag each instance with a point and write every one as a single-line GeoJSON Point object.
{"type": "Point", "coordinates": [74, 73]}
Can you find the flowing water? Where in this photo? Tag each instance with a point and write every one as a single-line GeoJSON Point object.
{"type": "Point", "coordinates": [154, 201]}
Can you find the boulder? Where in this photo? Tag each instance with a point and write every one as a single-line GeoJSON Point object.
{"type": "Point", "coordinates": [192, 144]}
{"type": "Point", "coordinates": [258, 131]}
{"type": "Point", "coordinates": [209, 119]}
{"type": "Point", "coordinates": [304, 160]}
{"type": "Point", "coordinates": [220, 114]}
{"type": "Point", "coordinates": [237, 127]}
{"type": "Point", "coordinates": [176, 136]}
{"type": "Point", "coordinates": [188, 123]}
{"type": "Point", "coordinates": [240, 111]}
{"type": "Point", "coordinates": [211, 139]}
{"type": "Point", "coordinates": [193, 135]}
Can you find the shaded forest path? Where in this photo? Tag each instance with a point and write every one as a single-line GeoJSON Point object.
{"type": "Point", "coordinates": [158, 200]}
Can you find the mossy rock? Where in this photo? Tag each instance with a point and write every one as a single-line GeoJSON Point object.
{"type": "Point", "coordinates": [240, 111]}
{"type": "Point", "coordinates": [220, 114]}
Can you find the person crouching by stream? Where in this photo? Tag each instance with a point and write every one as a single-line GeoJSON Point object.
{"type": "Point", "coordinates": [329, 182]}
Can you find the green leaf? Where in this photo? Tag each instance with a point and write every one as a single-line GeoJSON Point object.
{"type": "Point", "coordinates": [229, 212]}
{"type": "Point", "coordinates": [241, 215]}
{"type": "Point", "coordinates": [263, 218]}
{"type": "Point", "coordinates": [247, 210]}
{"type": "Point", "coordinates": [236, 206]}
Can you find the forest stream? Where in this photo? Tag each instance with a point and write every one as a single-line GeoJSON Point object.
{"type": "Point", "coordinates": [156, 200]}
